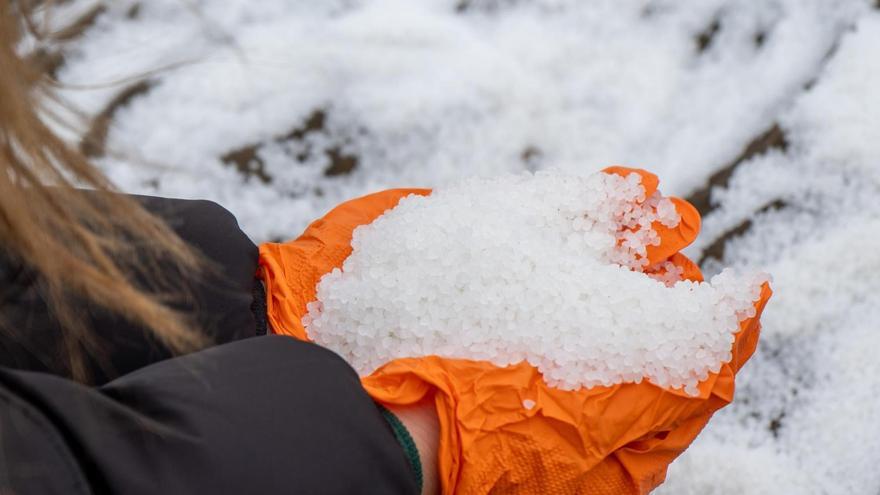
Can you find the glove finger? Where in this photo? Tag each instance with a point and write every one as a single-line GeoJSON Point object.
{"type": "Point", "coordinates": [747, 338]}
{"type": "Point", "coordinates": [691, 271]}
{"type": "Point", "coordinates": [649, 180]}
{"type": "Point", "coordinates": [673, 240]}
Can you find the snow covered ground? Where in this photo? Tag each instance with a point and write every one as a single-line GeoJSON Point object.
{"type": "Point", "coordinates": [279, 109]}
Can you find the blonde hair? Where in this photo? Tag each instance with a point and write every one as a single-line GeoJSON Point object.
{"type": "Point", "coordinates": [87, 250]}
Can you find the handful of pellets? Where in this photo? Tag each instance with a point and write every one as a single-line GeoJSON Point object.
{"type": "Point", "coordinates": [546, 268]}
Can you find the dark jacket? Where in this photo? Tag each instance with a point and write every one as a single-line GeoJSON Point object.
{"type": "Point", "coordinates": [263, 415]}
{"type": "Point", "coordinates": [256, 415]}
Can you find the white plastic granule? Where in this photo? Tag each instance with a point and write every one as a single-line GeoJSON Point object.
{"type": "Point", "coordinates": [546, 268]}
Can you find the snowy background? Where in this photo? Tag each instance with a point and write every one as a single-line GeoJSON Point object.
{"type": "Point", "coordinates": [764, 113]}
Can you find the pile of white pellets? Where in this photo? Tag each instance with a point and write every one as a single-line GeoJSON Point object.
{"type": "Point", "coordinates": [546, 268]}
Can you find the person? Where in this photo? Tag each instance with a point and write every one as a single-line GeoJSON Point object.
{"type": "Point", "coordinates": [133, 354]}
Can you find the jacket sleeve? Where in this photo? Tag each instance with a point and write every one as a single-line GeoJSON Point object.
{"type": "Point", "coordinates": [263, 415]}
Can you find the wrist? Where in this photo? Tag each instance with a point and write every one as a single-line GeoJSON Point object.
{"type": "Point", "coordinates": [420, 419]}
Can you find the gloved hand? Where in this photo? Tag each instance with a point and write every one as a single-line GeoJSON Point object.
{"type": "Point", "coordinates": [503, 430]}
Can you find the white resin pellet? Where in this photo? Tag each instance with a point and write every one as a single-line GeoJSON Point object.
{"type": "Point", "coordinates": [546, 268]}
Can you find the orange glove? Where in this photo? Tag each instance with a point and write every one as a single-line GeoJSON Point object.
{"type": "Point", "coordinates": [503, 430]}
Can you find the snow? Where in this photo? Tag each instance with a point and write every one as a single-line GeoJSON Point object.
{"type": "Point", "coordinates": [423, 94]}
{"type": "Point", "coordinates": [815, 373]}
